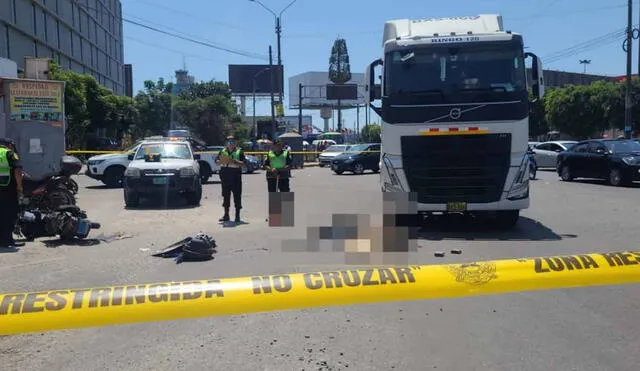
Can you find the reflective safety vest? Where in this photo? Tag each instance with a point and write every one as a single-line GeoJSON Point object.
{"type": "Point", "coordinates": [234, 155]}
{"type": "Point", "coordinates": [278, 161]}
{"type": "Point", "coordinates": [5, 168]}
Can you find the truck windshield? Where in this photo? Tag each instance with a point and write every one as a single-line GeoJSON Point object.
{"type": "Point", "coordinates": [165, 150]}
{"type": "Point", "coordinates": [452, 71]}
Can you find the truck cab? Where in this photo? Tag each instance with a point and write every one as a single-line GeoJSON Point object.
{"type": "Point", "coordinates": [454, 104]}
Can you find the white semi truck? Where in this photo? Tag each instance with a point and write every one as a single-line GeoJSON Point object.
{"type": "Point", "coordinates": [454, 106]}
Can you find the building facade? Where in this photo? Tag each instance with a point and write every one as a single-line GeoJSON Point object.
{"type": "Point", "coordinates": [84, 36]}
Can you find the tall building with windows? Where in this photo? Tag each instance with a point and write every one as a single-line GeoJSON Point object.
{"type": "Point", "coordinates": [84, 36]}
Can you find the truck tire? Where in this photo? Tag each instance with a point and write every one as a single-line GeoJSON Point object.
{"type": "Point", "coordinates": [507, 219]}
{"type": "Point", "coordinates": [194, 198]}
{"type": "Point", "coordinates": [205, 172]}
{"type": "Point", "coordinates": [131, 199]}
{"type": "Point", "coordinates": [113, 176]}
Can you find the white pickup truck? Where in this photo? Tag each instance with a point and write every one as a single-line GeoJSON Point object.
{"type": "Point", "coordinates": [109, 168]}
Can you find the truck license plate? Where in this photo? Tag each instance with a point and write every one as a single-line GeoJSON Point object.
{"type": "Point", "coordinates": [456, 206]}
{"type": "Point", "coordinates": [159, 181]}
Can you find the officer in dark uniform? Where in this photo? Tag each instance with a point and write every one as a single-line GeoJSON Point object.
{"type": "Point", "coordinates": [10, 192]}
{"type": "Point", "coordinates": [231, 160]}
{"type": "Point", "coordinates": [278, 168]}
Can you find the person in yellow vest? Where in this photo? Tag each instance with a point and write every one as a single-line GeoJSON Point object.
{"type": "Point", "coordinates": [231, 160]}
{"type": "Point", "coordinates": [10, 192]}
{"type": "Point", "coordinates": [278, 168]}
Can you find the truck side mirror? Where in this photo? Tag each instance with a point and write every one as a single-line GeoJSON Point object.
{"type": "Point", "coordinates": [130, 157]}
{"type": "Point", "coordinates": [196, 156]}
{"type": "Point", "coordinates": [537, 76]}
{"type": "Point", "coordinates": [373, 91]}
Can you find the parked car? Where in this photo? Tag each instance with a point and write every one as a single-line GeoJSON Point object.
{"type": "Point", "coordinates": [616, 160]}
{"type": "Point", "coordinates": [165, 169]}
{"type": "Point", "coordinates": [358, 159]}
{"type": "Point", "coordinates": [546, 153]}
{"type": "Point", "coordinates": [332, 151]}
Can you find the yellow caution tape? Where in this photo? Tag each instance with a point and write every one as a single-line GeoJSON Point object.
{"type": "Point", "coordinates": [115, 305]}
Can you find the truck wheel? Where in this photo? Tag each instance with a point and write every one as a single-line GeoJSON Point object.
{"type": "Point", "coordinates": [113, 176]}
{"type": "Point", "coordinates": [507, 219]}
{"type": "Point", "coordinates": [131, 199]}
{"type": "Point", "coordinates": [205, 172]}
{"type": "Point", "coordinates": [195, 197]}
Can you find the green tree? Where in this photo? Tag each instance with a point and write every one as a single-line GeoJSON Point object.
{"type": "Point", "coordinates": [339, 69]}
{"type": "Point", "coordinates": [154, 106]}
{"type": "Point", "coordinates": [538, 124]}
{"type": "Point", "coordinates": [205, 90]}
{"type": "Point", "coordinates": [210, 119]}
{"type": "Point", "coordinates": [371, 133]}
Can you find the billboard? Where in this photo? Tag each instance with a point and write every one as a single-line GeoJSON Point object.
{"type": "Point", "coordinates": [243, 78]}
{"type": "Point", "coordinates": [342, 92]}
{"type": "Point", "coordinates": [314, 91]}
{"type": "Point", "coordinates": [36, 101]}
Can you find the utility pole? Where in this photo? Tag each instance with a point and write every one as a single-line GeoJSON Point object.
{"type": "Point", "coordinates": [300, 108]}
{"type": "Point", "coordinates": [628, 120]}
{"type": "Point", "coordinates": [273, 108]}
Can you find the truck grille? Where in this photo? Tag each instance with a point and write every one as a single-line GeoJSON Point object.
{"type": "Point", "coordinates": [457, 168]}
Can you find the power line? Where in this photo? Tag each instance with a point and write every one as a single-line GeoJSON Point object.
{"type": "Point", "coordinates": [184, 34]}
{"type": "Point", "coordinates": [208, 21]}
{"type": "Point", "coordinates": [209, 45]}
{"type": "Point", "coordinates": [586, 45]}
{"type": "Point", "coordinates": [170, 50]}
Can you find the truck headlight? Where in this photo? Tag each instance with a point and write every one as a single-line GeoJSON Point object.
{"type": "Point", "coordinates": [132, 172]}
{"type": "Point", "coordinates": [631, 160]}
{"type": "Point", "coordinates": [520, 186]}
{"type": "Point", "coordinates": [187, 172]}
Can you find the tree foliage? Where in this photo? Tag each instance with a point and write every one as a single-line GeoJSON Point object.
{"type": "Point", "coordinates": [339, 66]}
{"type": "Point", "coordinates": [371, 133]}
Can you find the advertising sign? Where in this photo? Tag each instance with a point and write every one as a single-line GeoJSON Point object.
{"type": "Point", "coordinates": [36, 101]}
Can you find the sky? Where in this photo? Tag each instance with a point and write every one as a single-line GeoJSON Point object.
{"type": "Point", "coordinates": [561, 32]}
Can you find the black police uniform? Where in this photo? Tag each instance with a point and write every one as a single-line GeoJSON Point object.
{"type": "Point", "coordinates": [279, 181]}
{"type": "Point", "coordinates": [9, 199]}
{"type": "Point", "coordinates": [231, 179]}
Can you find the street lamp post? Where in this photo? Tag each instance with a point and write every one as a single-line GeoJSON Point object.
{"type": "Point", "coordinates": [278, 17]}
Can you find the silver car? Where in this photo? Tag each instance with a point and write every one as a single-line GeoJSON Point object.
{"type": "Point", "coordinates": [546, 153]}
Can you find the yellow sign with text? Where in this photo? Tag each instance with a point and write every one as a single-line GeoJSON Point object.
{"type": "Point", "coordinates": [36, 101]}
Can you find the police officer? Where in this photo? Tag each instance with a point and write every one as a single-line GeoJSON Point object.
{"type": "Point", "coordinates": [10, 192]}
{"type": "Point", "coordinates": [231, 160]}
{"type": "Point", "coordinates": [278, 168]}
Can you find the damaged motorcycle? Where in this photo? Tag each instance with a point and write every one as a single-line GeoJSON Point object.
{"type": "Point", "coordinates": [54, 191]}
{"type": "Point", "coordinates": [67, 221]}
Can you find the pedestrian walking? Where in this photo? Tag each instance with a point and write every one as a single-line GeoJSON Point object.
{"type": "Point", "coordinates": [278, 168]}
{"type": "Point", "coordinates": [231, 160]}
{"type": "Point", "coordinates": [11, 192]}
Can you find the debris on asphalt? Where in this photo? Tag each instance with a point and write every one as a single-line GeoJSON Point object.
{"type": "Point", "coordinates": [439, 254]}
{"type": "Point", "coordinates": [456, 251]}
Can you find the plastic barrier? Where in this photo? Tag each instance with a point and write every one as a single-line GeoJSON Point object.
{"type": "Point", "coordinates": [115, 305]}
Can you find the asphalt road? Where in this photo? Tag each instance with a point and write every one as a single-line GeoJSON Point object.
{"type": "Point", "coordinates": [577, 329]}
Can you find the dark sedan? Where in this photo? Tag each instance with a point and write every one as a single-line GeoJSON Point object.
{"type": "Point", "coordinates": [616, 160]}
{"type": "Point", "coordinates": [358, 159]}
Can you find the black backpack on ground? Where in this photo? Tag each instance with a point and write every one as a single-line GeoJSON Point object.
{"type": "Point", "coordinates": [200, 247]}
